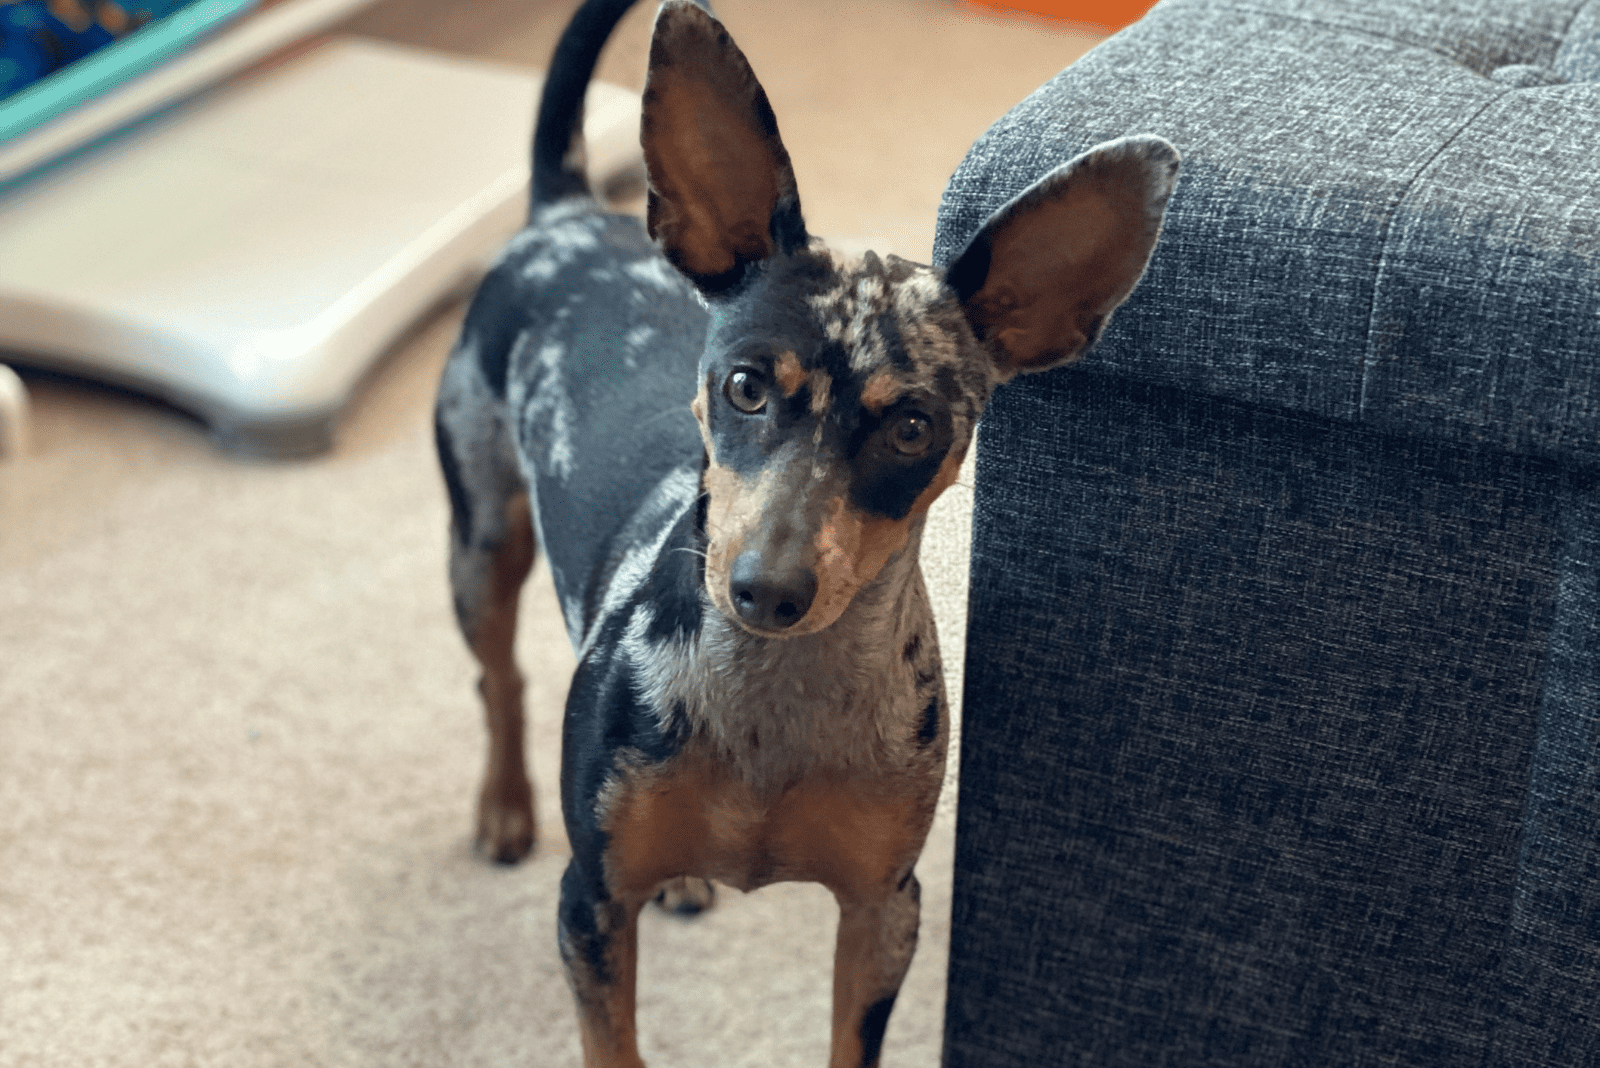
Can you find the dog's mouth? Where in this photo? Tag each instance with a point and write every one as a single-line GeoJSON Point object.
{"type": "Point", "coordinates": [767, 632]}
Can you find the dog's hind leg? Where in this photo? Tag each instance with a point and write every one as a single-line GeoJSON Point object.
{"type": "Point", "coordinates": [686, 895]}
{"type": "Point", "coordinates": [506, 826]}
{"type": "Point", "coordinates": [491, 553]}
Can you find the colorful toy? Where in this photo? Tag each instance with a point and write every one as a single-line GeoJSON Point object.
{"type": "Point", "coordinates": [39, 37]}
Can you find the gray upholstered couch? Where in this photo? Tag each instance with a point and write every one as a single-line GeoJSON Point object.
{"type": "Point", "coordinates": [1283, 681]}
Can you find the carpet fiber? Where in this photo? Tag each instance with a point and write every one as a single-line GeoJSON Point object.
{"type": "Point", "coordinates": [239, 741]}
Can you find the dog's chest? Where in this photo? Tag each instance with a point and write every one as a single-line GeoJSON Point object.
{"type": "Point", "coordinates": [693, 818]}
{"type": "Point", "coordinates": [817, 764]}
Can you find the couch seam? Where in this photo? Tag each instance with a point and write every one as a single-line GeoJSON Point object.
{"type": "Point", "coordinates": [1251, 9]}
{"type": "Point", "coordinates": [1368, 352]}
{"type": "Point", "coordinates": [1566, 32]}
{"type": "Point", "coordinates": [1577, 13]}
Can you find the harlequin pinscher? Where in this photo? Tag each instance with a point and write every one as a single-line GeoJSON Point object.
{"type": "Point", "coordinates": [727, 439]}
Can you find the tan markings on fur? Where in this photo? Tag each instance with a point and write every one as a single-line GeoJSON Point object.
{"type": "Point", "coordinates": [851, 549]}
{"type": "Point", "coordinates": [856, 836]}
{"type": "Point", "coordinates": [607, 1012]}
{"type": "Point", "coordinates": [872, 952]}
{"type": "Point", "coordinates": [943, 479]}
{"type": "Point", "coordinates": [791, 376]}
{"type": "Point", "coordinates": [698, 407]}
{"type": "Point", "coordinates": [880, 391]}
{"type": "Point", "coordinates": [821, 389]}
{"type": "Point", "coordinates": [735, 506]}
{"type": "Point", "coordinates": [506, 825]}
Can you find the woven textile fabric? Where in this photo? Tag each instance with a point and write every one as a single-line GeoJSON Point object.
{"type": "Point", "coordinates": [1282, 712]}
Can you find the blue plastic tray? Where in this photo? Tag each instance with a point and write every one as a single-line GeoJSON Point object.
{"type": "Point", "coordinates": [114, 64]}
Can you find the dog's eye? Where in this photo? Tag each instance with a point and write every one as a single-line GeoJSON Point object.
{"type": "Point", "coordinates": [911, 434]}
{"type": "Point", "coordinates": [746, 390]}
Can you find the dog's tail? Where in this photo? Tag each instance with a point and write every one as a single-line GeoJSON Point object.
{"type": "Point", "coordinates": [558, 156]}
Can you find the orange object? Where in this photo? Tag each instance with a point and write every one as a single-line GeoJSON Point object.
{"type": "Point", "coordinates": [1112, 14]}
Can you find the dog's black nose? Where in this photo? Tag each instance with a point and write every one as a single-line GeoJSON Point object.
{"type": "Point", "coordinates": [771, 600]}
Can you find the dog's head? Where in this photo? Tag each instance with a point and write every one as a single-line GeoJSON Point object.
{"type": "Point", "coordinates": [838, 397]}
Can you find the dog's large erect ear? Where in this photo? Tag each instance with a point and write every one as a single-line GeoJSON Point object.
{"type": "Point", "coordinates": [1041, 278]}
{"type": "Point", "coordinates": [722, 193]}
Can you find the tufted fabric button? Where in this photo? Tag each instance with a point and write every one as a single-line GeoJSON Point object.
{"type": "Point", "coordinates": [1525, 76]}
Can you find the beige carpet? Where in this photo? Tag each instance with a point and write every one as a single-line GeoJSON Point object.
{"type": "Point", "coordinates": [238, 736]}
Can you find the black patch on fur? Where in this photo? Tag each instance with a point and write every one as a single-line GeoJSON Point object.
{"type": "Point", "coordinates": [894, 344]}
{"type": "Point", "coordinates": [743, 440]}
{"type": "Point", "coordinates": [788, 226]}
{"type": "Point", "coordinates": [873, 1024]}
{"type": "Point", "coordinates": [673, 588]}
{"type": "Point", "coordinates": [885, 482]}
{"type": "Point", "coordinates": [913, 647]}
{"type": "Point", "coordinates": [752, 331]}
{"type": "Point", "coordinates": [949, 384]}
{"type": "Point", "coordinates": [728, 284]}
{"type": "Point", "coordinates": [493, 321]}
{"type": "Point", "coordinates": [605, 714]}
{"type": "Point", "coordinates": [702, 507]}
{"type": "Point", "coordinates": [834, 358]}
{"type": "Point", "coordinates": [929, 731]}
{"type": "Point", "coordinates": [971, 269]}
{"type": "Point", "coordinates": [632, 723]}
{"type": "Point", "coordinates": [576, 917]}
{"type": "Point", "coordinates": [889, 487]}
{"type": "Point", "coordinates": [460, 508]}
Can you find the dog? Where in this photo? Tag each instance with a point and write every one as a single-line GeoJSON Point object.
{"type": "Point", "coordinates": [727, 439]}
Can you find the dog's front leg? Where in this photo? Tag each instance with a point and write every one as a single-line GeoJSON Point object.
{"type": "Point", "coordinates": [600, 948]}
{"type": "Point", "coordinates": [877, 937]}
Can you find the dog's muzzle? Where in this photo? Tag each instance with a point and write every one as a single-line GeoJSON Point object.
{"type": "Point", "coordinates": [770, 599]}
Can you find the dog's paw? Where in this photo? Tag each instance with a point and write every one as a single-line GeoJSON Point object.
{"type": "Point", "coordinates": [686, 895]}
{"type": "Point", "coordinates": [506, 826]}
